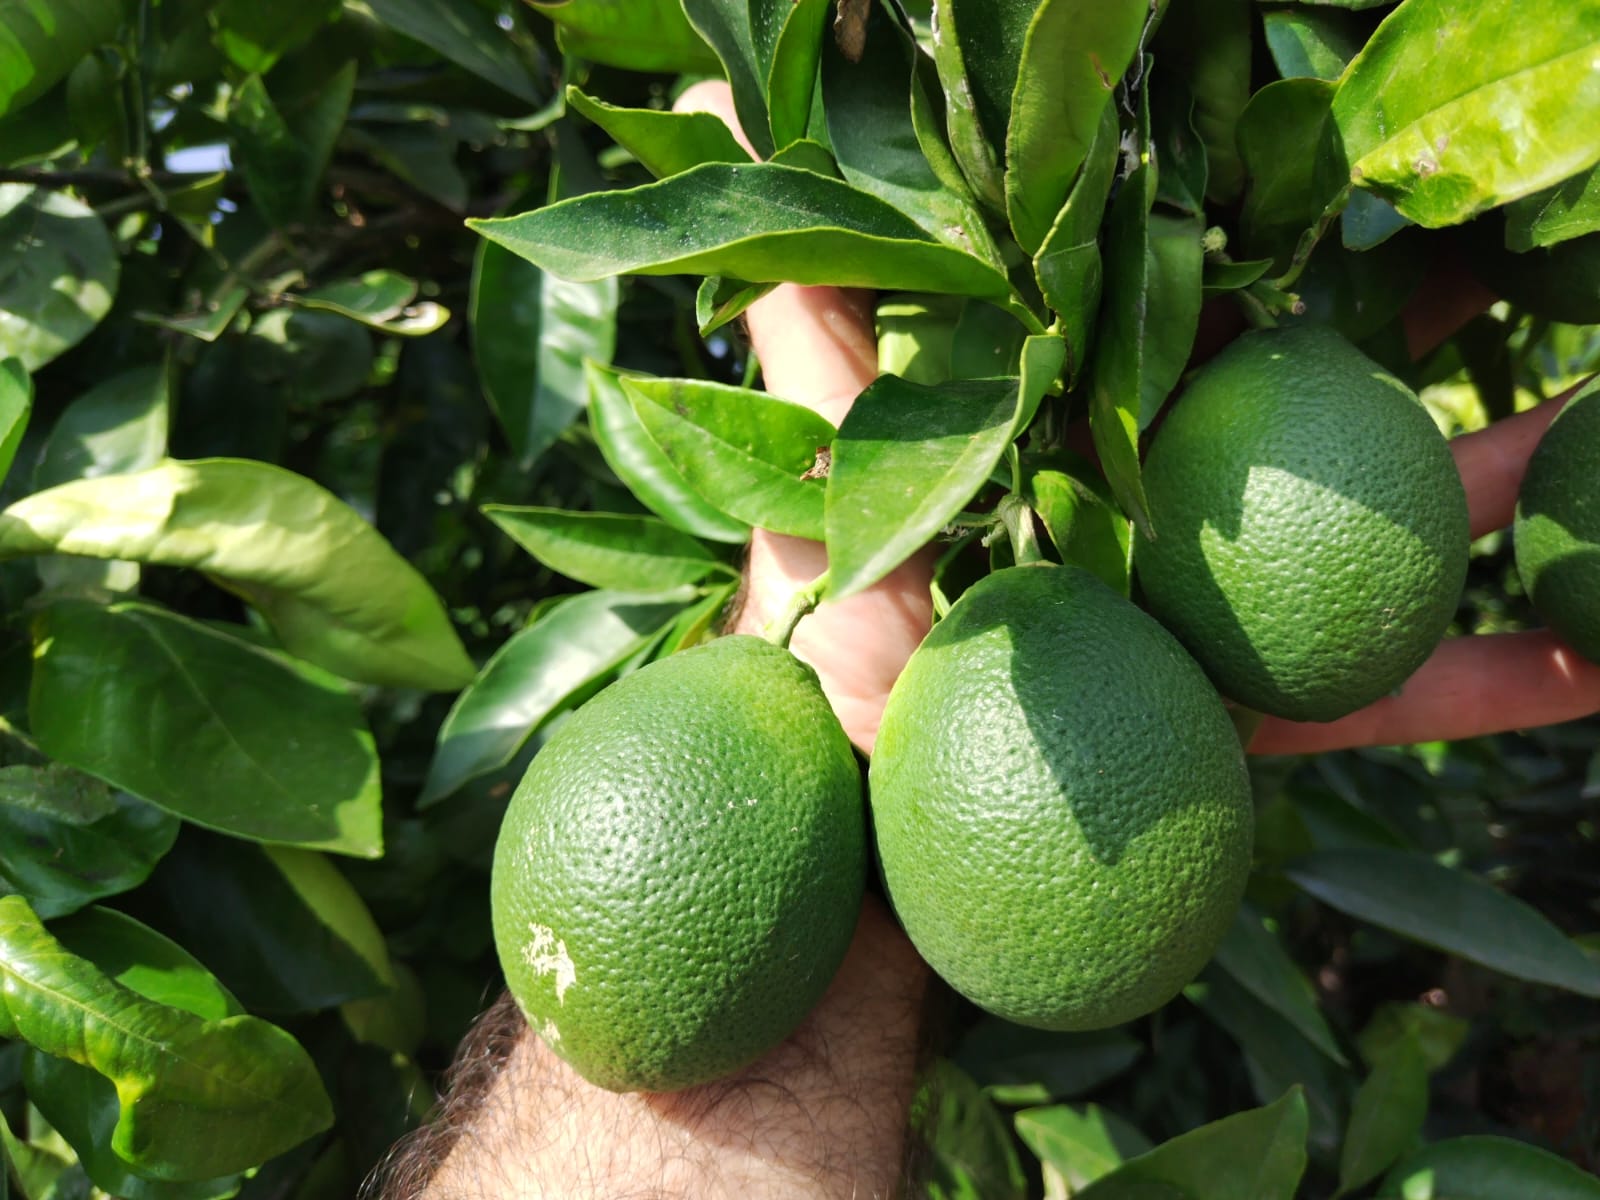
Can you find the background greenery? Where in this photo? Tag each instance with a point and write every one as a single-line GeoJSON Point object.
{"type": "Point", "coordinates": [254, 764]}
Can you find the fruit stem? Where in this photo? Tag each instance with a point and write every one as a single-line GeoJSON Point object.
{"type": "Point", "coordinates": [1018, 520]}
{"type": "Point", "coordinates": [802, 602]}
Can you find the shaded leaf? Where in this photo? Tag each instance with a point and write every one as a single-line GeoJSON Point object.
{"type": "Point", "coordinates": [643, 35]}
{"type": "Point", "coordinates": [284, 151]}
{"type": "Point", "coordinates": [1313, 43]}
{"type": "Point", "coordinates": [1256, 959]}
{"type": "Point", "coordinates": [124, 691]}
{"type": "Point", "coordinates": [16, 404]}
{"type": "Point", "coordinates": [334, 591]}
{"type": "Point", "coordinates": [1412, 895]}
{"type": "Point", "coordinates": [572, 647]}
{"type": "Point", "coordinates": [1487, 1168]}
{"type": "Point", "coordinates": [664, 142]}
{"type": "Point", "coordinates": [1081, 516]}
{"type": "Point", "coordinates": [250, 1083]}
{"type": "Point", "coordinates": [726, 27]}
{"type": "Point", "coordinates": [1259, 1153]}
{"type": "Point", "coordinates": [1207, 45]}
{"type": "Point", "coordinates": [1445, 114]}
{"type": "Point", "coordinates": [648, 473]}
{"type": "Point", "coordinates": [62, 275]}
{"type": "Point", "coordinates": [1080, 1144]}
{"type": "Point", "coordinates": [972, 146]}
{"type": "Point", "coordinates": [1558, 214]}
{"type": "Point", "coordinates": [1018, 1065]}
{"type": "Point", "coordinates": [608, 550]}
{"type": "Point", "coordinates": [383, 300]}
{"type": "Point", "coordinates": [1386, 1116]}
{"type": "Point", "coordinates": [759, 222]}
{"type": "Point", "coordinates": [1289, 146]}
{"type": "Point", "coordinates": [1436, 1035]}
{"type": "Point", "coordinates": [118, 425]}
{"type": "Point", "coordinates": [973, 1157]}
{"type": "Point", "coordinates": [45, 41]}
{"type": "Point", "coordinates": [465, 34]}
{"type": "Point", "coordinates": [745, 452]}
{"type": "Point", "coordinates": [255, 36]}
{"type": "Point", "coordinates": [787, 38]}
{"type": "Point", "coordinates": [718, 301]}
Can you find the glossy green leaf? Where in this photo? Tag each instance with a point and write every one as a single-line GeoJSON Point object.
{"type": "Point", "coordinates": [747, 453]}
{"type": "Point", "coordinates": [1018, 1065]}
{"type": "Point", "coordinates": [62, 275]}
{"type": "Point", "coordinates": [726, 27]}
{"type": "Point", "coordinates": [1074, 54]}
{"type": "Point", "coordinates": [787, 38]}
{"type": "Point", "coordinates": [16, 404]}
{"type": "Point", "coordinates": [868, 105]}
{"type": "Point", "coordinates": [642, 35]}
{"type": "Point", "coordinates": [334, 591]}
{"type": "Point", "coordinates": [648, 473]}
{"type": "Point", "coordinates": [1386, 1116]}
{"type": "Point", "coordinates": [807, 154]}
{"type": "Point", "coordinates": [973, 148]}
{"type": "Point", "coordinates": [993, 34]}
{"type": "Point", "coordinates": [1412, 895]}
{"type": "Point", "coordinates": [972, 1154]}
{"type": "Point", "coordinates": [467, 35]}
{"type": "Point", "coordinates": [1558, 214]}
{"type": "Point", "coordinates": [718, 301]}
{"type": "Point", "coordinates": [1289, 146]}
{"type": "Point", "coordinates": [1445, 113]}
{"type": "Point", "coordinates": [1256, 959]}
{"type": "Point", "coordinates": [1220, 277]}
{"type": "Point", "coordinates": [1487, 1168]}
{"type": "Point", "coordinates": [1081, 516]}
{"type": "Point", "coordinates": [1079, 1144]}
{"type": "Point", "coordinates": [199, 1098]}
{"type": "Point", "coordinates": [118, 425]}
{"type": "Point", "coordinates": [44, 41]}
{"type": "Point", "coordinates": [1068, 265]}
{"type": "Point", "coordinates": [570, 649]}
{"type": "Point", "coordinates": [1259, 1153]}
{"type": "Point", "coordinates": [282, 928]}
{"type": "Point", "coordinates": [284, 149]}
{"type": "Point", "coordinates": [532, 333]}
{"type": "Point", "coordinates": [255, 36]}
{"type": "Point", "coordinates": [608, 550]}
{"type": "Point", "coordinates": [759, 222]}
{"type": "Point", "coordinates": [59, 860]}
{"type": "Point", "coordinates": [1207, 45]}
{"type": "Point", "coordinates": [909, 457]}
{"type": "Point", "coordinates": [123, 691]}
{"type": "Point", "coordinates": [383, 300]}
{"type": "Point", "coordinates": [82, 1105]}
{"type": "Point", "coordinates": [1314, 43]}
{"type": "Point", "coordinates": [664, 142]}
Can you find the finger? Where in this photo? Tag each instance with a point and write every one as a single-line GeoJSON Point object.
{"type": "Point", "coordinates": [1472, 686]}
{"type": "Point", "coordinates": [1492, 462]}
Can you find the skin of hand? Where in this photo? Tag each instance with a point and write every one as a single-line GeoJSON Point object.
{"type": "Point", "coordinates": [824, 1115]}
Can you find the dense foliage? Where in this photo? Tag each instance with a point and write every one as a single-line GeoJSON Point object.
{"type": "Point", "coordinates": [322, 510]}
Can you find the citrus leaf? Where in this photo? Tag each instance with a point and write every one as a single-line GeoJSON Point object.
{"type": "Point", "coordinates": [122, 691]}
{"type": "Point", "coordinates": [1487, 1168]}
{"type": "Point", "coordinates": [572, 647]}
{"type": "Point", "coordinates": [382, 300]}
{"type": "Point", "coordinates": [251, 1084]}
{"type": "Point", "coordinates": [1386, 1116]}
{"type": "Point", "coordinates": [62, 275]}
{"type": "Point", "coordinates": [16, 405]}
{"type": "Point", "coordinates": [726, 27]}
{"type": "Point", "coordinates": [648, 473]}
{"type": "Point", "coordinates": [1206, 44]}
{"type": "Point", "coordinates": [465, 34]}
{"type": "Point", "coordinates": [1412, 895]}
{"type": "Point", "coordinates": [1311, 43]}
{"type": "Point", "coordinates": [665, 143]}
{"type": "Point", "coordinates": [970, 144]}
{"type": "Point", "coordinates": [643, 35]}
{"type": "Point", "coordinates": [1082, 1144]}
{"type": "Point", "coordinates": [909, 457]}
{"type": "Point", "coordinates": [118, 425]}
{"type": "Point", "coordinates": [1259, 1153]}
{"type": "Point", "coordinates": [787, 38]}
{"type": "Point", "coordinates": [1081, 516]}
{"type": "Point", "coordinates": [1289, 146]}
{"type": "Point", "coordinates": [745, 452]}
{"type": "Point", "coordinates": [58, 862]}
{"type": "Point", "coordinates": [1555, 215]}
{"type": "Point", "coordinates": [1258, 962]}
{"type": "Point", "coordinates": [972, 1152]}
{"type": "Point", "coordinates": [1073, 55]}
{"type": "Point", "coordinates": [334, 591]}
{"type": "Point", "coordinates": [718, 301]}
{"type": "Point", "coordinates": [255, 36]}
{"type": "Point", "coordinates": [1018, 1065]}
{"type": "Point", "coordinates": [43, 42]}
{"type": "Point", "coordinates": [762, 222]}
{"type": "Point", "coordinates": [283, 148]}
{"type": "Point", "coordinates": [875, 140]}
{"type": "Point", "coordinates": [281, 927]}
{"type": "Point", "coordinates": [607, 550]}
{"type": "Point", "coordinates": [1445, 114]}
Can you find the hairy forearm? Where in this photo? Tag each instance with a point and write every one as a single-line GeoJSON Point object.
{"type": "Point", "coordinates": [823, 1117]}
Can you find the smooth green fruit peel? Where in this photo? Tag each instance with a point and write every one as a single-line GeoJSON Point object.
{"type": "Point", "coordinates": [679, 873]}
{"type": "Point", "coordinates": [1060, 803]}
{"type": "Point", "coordinates": [1558, 524]}
{"type": "Point", "coordinates": [1311, 529]}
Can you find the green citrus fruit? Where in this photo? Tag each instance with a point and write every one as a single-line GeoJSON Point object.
{"type": "Point", "coordinates": [1558, 524]}
{"type": "Point", "coordinates": [1060, 803]}
{"type": "Point", "coordinates": [1310, 526]}
{"type": "Point", "coordinates": [679, 872]}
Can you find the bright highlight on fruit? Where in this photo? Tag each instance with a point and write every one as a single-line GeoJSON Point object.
{"type": "Point", "coordinates": [1060, 803]}
{"type": "Point", "coordinates": [1310, 527]}
{"type": "Point", "coordinates": [679, 873]}
{"type": "Point", "coordinates": [1558, 524]}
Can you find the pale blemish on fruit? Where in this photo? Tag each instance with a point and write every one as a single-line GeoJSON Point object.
{"type": "Point", "coordinates": [547, 955]}
{"type": "Point", "coordinates": [550, 1033]}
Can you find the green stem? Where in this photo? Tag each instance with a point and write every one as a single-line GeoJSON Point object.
{"type": "Point", "coordinates": [804, 600]}
{"type": "Point", "coordinates": [1018, 520]}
